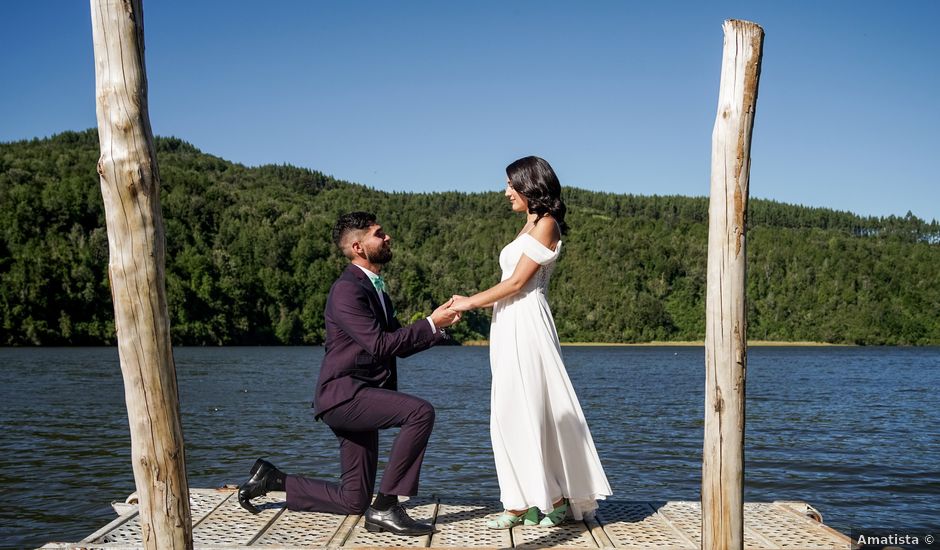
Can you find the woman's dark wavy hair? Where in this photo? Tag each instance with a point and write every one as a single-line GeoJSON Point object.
{"type": "Point", "coordinates": [534, 179]}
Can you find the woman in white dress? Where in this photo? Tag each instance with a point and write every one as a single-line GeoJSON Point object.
{"type": "Point", "coordinates": [545, 456]}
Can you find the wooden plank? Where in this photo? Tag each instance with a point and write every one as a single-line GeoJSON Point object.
{"type": "Point", "coordinates": [788, 507]}
{"type": "Point", "coordinates": [113, 525]}
{"type": "Point", "coordinates": [691, 536]}
{"type": "Point", "coordinates": [202, 503]}
{"type": "Point", "coordinates": [637, 525]}
{"type": "Point", "coordinates": [660, 525]}
{"type": "Point", "coordinates": [343, 531]}
{"type": "Point", "coordinates": [462, 525]}
{"type": "Point", "coordinates": [755, 540]}
{"type": "Point", "coordinates": [571, 534]}
{"type": "Point", "coordinates": [420, 509]}
{"type": "Point", "coordinates": [306, 529]}
{"type": "Point", "coordinates": [230, 524]}
{"type": "Point", "coordinates": [597, 531]}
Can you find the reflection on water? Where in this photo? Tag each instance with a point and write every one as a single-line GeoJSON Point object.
{"type": "Point", "coordinates": [853, 431]}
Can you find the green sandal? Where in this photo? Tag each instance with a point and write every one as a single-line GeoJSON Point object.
{"type": "Point", "coordinates": [507, 519]}
{"type": "Point", "coordinates": [556, 516]}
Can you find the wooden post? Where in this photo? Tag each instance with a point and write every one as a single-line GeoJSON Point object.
{"type": "Point", "coordinates": [130, 186]}
{"type": "Point", "coordinates": [726, 321]}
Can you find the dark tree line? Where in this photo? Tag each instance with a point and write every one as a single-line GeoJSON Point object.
{"type": "Point", "coordinates": [249, 257]}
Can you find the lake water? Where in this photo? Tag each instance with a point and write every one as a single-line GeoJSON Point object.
{"type": "Point", "coordinates": [853, 431]}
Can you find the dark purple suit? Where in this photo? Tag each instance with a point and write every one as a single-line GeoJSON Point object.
{"type": "Point", "coordinates": [356, 395]}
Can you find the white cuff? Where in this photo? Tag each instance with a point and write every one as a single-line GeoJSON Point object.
{"type": "Point", "coordinates": [433, 327]}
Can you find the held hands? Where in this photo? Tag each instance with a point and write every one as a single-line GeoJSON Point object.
{"type": "Point", "coordinates": [444, 316]}
{"type": "Point", "coordinates": [451, 312]}
{"type": "Point", "coordinates": [460, 303]}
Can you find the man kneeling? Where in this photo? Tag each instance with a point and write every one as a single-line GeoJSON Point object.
{"type": "Point", "coordinates": [356, 394]}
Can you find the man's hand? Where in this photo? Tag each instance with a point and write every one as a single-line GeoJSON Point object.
{"type": "Point", "coordinates": [444, 316]}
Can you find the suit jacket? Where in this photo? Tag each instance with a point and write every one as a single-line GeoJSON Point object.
{"type": "Point", "coordinates": [361, 345]}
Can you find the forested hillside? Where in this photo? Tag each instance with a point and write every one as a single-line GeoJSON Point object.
{"type": "Point", "coordinates": [249, 257]}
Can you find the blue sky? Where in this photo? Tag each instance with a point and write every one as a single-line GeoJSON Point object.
{"type": "Point", "coordinates": [427, 96]}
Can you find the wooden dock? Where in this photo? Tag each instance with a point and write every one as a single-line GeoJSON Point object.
{"type": "Point", "coordinates": [219, 522]}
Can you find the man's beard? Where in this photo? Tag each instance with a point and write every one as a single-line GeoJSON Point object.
{"type": "Point", "coordinates": [381, 256]}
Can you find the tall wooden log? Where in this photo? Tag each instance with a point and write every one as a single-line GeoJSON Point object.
{"type": "Point", "coordinates": [130, 186]}
{"type": "Point", "coordinates": [726, 320]}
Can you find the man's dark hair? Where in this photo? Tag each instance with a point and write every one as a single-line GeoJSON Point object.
{"type": "Point", "coordinates": [354, 221]}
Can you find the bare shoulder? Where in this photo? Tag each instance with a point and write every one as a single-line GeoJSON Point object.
{"type": "Point", "coordinates": [546, 232]}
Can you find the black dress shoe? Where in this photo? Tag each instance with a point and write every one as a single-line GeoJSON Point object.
{"type": "Point", "coordinates": [264, 477]}
{"type": "Point", "coordinates": [394, 520]}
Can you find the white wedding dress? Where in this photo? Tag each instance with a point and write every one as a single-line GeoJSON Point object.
{"type": "Point", "coordinates": [541, 442]}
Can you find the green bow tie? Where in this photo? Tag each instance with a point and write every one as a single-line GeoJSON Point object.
{"type": "Point", "coordinates": [379, 283]}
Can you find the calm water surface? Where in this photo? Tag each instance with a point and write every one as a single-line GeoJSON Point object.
{"type": "Point", "coordinates": [853, 431]}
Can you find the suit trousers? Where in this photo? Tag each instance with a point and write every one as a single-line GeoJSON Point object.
{"type": "Point", "coordinates": [356, 424]}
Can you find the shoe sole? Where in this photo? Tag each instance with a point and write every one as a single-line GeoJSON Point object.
{"type": "Point", "coordinates": [372, 528]}
{"type": "Point", "coordinates": [247, 505]}
{"type": "Point", "coordinates": [245, 502]}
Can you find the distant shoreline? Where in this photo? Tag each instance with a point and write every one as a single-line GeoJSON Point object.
{"type": "Point", "coordinates": [683, 343]}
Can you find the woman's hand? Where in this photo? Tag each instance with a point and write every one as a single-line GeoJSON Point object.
{"type": "Point", "coordinates": [460, 303]}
